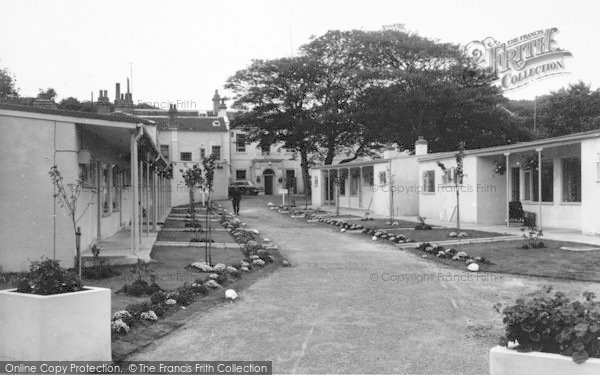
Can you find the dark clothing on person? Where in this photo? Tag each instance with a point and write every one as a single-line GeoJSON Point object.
{"type": "Point", "coordinates": [236, 196]}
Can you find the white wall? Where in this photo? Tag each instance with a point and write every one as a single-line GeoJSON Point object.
{"type": "Point", "coordinates": [188, 141]}
{"type": "Point", "coordinates": [441, 204]}
{"type": "Point", "coordinates": [590, 186]}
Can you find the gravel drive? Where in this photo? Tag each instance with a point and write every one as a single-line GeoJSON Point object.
{"type": "Point", "coordinates": [352, 305]}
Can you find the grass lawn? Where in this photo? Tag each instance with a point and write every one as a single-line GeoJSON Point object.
{"type": "Point", "coordinates": [508, 257]}
{"type": "Point", "coordinates": [187, 236]}
{"type": "Point", "coordinates": [381, 224]}
{"type": "Point", "coordinates": [441, 234]}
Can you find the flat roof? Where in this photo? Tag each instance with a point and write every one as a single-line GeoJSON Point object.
{"type": "Point", "coordinates": [519, 146]}
{"type": "Point", "coordinates": [113, 116]}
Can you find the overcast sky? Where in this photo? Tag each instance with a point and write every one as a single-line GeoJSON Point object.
{"type": "Point", "coordinates": [184, 50]}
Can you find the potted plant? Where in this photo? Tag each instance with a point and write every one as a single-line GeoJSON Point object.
{"type": "Point", "coordinates": [52, 316]}
{"type": "Point", "coordinates": [549, 333]}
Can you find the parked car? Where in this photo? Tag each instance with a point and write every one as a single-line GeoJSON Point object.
{"type": "Point", "coordinates": [246, 187]}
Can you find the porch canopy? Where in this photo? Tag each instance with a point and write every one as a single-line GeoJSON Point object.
{"type": "Point", "coordinates": [129, 140]}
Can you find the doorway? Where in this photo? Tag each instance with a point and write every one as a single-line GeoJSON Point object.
{"type": "Point", "coordinates": [268, 181]}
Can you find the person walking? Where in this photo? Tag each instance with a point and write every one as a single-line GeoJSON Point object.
{"type": "Point", "coordinates": [236, 196]}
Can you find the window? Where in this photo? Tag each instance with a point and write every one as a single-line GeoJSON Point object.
{"type": "Point", "coordinates": [368, 179]}
{"type": "Point", "coordinates": [547, 182]}
{"type": "Point", "coordinates": [354, 181]}
{"type": "Point", "coordinates": [104, 189]}
{"type": "Point", "coordinates": [527, 185]}
{"type": "Point", "coordinates": [571, 180]}
{"type": "Point", "coordinates": [240, 174]}
{"type": "Point", "coordinates": [429, 181]}
{"type": "Point", "coordinates": [266, 149]}
{"type": "Point", "coordinates": [116, 188]}
{"type": "Point", "coordinates": [186, 156]}
{"type": "Point", "coordinates": [382, 178]}
{"type": "Point", "coordinates": [164, 151]}
{"type": "Point", "coordinates": [202, 153]}
{"type": "Point", "coordinates": [343, 178]}
{"type": "Point", "coordinates": [240, 142]}
{"type": "Point", "coordinates": [216, 152]}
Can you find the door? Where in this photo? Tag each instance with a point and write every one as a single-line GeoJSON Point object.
{"type": "Point", "coordinates": [516, 183]}
{"type": "Point", "coordinates": [268, 184]}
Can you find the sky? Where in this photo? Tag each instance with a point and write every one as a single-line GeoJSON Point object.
{"type": "Point", "coordinates": [181, 51]}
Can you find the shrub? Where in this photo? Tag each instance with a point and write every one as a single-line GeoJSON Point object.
{"type": "Point", "coordinates": [158, 309]}
{"type": "Point", "coordinates": [185, 295]}
{"type": "Point", "coordinates": [422, 225]}
{"type": "Point", "coordinates": [137, 308]}
{"type": "Point", "coordinates": [553, 323]}
{"type": "Point", "coordinates": [48, 277]}
{"type": "Point", "coordinates": [139, 288]}
{"type": "Point", "coordinates": [158, 297]}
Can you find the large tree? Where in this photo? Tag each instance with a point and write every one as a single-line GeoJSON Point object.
{"type": "Point", "coordinates": [357, 66]}
{"type": "Point", "coordinates": [7, 84]}
{"type": "Point", "coordinates": [572, 109]}
{"type": "Point", "coordinates": [275, 97]}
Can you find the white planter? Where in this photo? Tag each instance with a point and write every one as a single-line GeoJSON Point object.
{"type": "Point", "coordinates": [60, 327]}
{"type": "Point", "coordinates": [505, 361]}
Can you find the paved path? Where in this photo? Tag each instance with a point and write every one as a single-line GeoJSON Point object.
{"type": "Point", "coordinates": [327, 314]}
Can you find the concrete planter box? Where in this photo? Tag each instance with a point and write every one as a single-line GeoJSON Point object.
{"type": "Point", "coordinates": [505, 361]}
{"type": "Point", "coordinates": [60, 327]}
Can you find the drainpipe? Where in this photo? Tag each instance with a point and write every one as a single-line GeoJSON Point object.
{"type": "Point", "coordinates": [390, 188]}
{"type": "Point", "coordinates": [506, 169]}
{"type": "Point", "coordinates": [539, 151]}
{"type": "Point", "coordinates": [134, 187]}
{"type": "Point", "coordinates": [148, 192]}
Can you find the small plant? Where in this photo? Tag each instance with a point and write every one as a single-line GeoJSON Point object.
{"type": "Point", "coordinates": [47, 277]}
{"type": "Point", "coordinates": [552, 323]}
{"type": "Point", "coordinates": [532, 235]}
{"type": "Point", "coordinates": [422, 225]}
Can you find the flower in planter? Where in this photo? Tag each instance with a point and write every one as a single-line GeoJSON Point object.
{"type": "Point", "coordinates": [202, 266]}
{"type": "Point", "coordinates": [232, 269]}
{"type": "Point", "coordinates": [245, 269]}
{"type": "Point", "coordinates": [118, 326]}
{"type": "Point", "coordinates": [453, 234]}
{"type": "Point", "coordinates": [149, 315]}
{"type": "Point", "coordinates": [463, 234]}
{"type": "Point", "coordinates": [213, 276]}
{"type": "Point", "coordinates": [243, 263]}
{"type": "Point", "coordinates": [254, 257]}
{"type": "Point", "coordinates": [170, 301]}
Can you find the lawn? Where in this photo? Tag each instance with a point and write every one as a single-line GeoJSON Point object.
{"type": "Point", "coordinates": [441, 234]}
{"type": "Point", "coordinates": [381, 224]}
{"type": "Point", "coordinates": [509, 257]}
{"type": "Point", "coordinates": [187, 236]}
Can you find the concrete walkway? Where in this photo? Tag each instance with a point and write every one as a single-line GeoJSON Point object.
{"type": "Point", "coordinates": [351, 305]}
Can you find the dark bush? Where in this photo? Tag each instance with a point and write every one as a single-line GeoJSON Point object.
{"type": "Point", "coordinates": [158, 309]}
{"type": "Point", "coordinates": [185, 295]}
{"type": "Point", "coordinates": [553, 323]}
{"type": "Point", "coordinates": [158, 297]}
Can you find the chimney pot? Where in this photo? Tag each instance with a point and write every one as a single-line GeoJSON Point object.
{"type": "Point", "coordinates": [421, 146]}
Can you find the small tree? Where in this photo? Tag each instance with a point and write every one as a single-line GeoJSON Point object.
{"type": "Point", "coordinates": [208, 165]}
{"type": "Point", "coordinates": [457, 177]}
{"type": "Point", "coordinates": [67, 198]}
{"type": "Point", "coordinates": [193, 179]}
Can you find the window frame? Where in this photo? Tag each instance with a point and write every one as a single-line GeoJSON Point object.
{"type": "Point", "coordinates": [181, 158]}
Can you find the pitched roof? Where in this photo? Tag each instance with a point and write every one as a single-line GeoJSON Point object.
{"type": "Point", "coordinates": [194, 124]}
{"type": "Point", "coordinates": [114, 116]}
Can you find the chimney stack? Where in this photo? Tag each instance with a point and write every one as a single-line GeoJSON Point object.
{"type": "Point", "coordinates": [421, 146]}
{"type": "Point", "coordinates": [117, 92]}
{"type": "Point", "coordinates": [172, 116]}
{"type": "Point", "coordinates": [216, 103]}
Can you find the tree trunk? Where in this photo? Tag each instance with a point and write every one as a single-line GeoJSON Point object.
{"type": "Point", "coordinates": [305, 171]}
{"type": "Point", "coordinates": [330, 152]}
